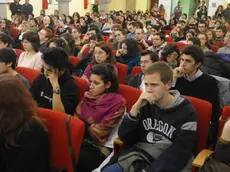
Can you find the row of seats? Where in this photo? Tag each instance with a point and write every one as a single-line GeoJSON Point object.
{"type": "Point", "coordinates": [203, 108]}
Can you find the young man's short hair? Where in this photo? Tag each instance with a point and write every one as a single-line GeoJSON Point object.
{"type": "Point", "coordinates": [153, 56]}
{"type": "Point", "coordinates": [134, 24]}
{"type": "Point", "coordinates": [161, 35]}
{"type": "Point", "coordinates": [6, 39]}
{"type": "Point", "coordinates": [223, 28]}
{"type": "Point", "coordinates": [164, 70]}
{"type": "Point", "coordinates": [8, 55]}
{"type": "Point", "coordinates": [195, 51]}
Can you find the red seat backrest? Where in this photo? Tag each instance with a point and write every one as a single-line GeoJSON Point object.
{"type": "Point", "coordinates": [74, 60]}
{"type": "Point", "coordinates": [224, 117]}
{"type": "Point", "coordinates": [122, 72]}
{"type": "Point", "coordinates": [59, 149]}
{"type": "Point", "coordinates": [214, 48]}
{"type": "Point", "coordinates": [181, 46]}
{"type": "Point", "coordinates": [18, 52]}
{"type": "Point", "coordinates": [204, 111]}
{"type": "Point", "coordinates": [15, 32]}
{"type": "Point", "coordinates": [28, 73]}
{"type": "Point", "coordinates": [130, 94]}
{"type": "Point", "coordinates": [82, 84]}
{"type": "Point", "coordinates": [135, 70]}
{"type": "Point", "coordinates": [168, 39]}
{"type": "Point", "coordinates": [105, 38]}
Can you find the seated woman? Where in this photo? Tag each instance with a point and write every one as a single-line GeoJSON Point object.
{"type": "Point", "coordinates": [73, 50]}
{"type": "Point", "coordinates": [204, 44]}
{"type": "Point", "coordinates": [177, 34]}
{"type": "Point", "coordinates": [129, 54]}
{"type": "Point", "coordinates": [56, 89]}
{"type": "Point", "coordinates": [23, 28]}
{"type": "Point", "coordinates": [101, 109]}
{"type": "Point", "coordinates": [171, 54]}
{"type": "Point", "coordinates": [189, 34]}
{"type": "Point", "coordinates": [24, 142]}
{"type": "Point", "coordinates": [86, 53]}
{"type": "Point", "coordinates": [76, 33]}
{"type": "Point", "coordinates": [102, 54]}
{"type": "Point", "coordinates": [31, 58]}
{"type": "Point", "coordinates": [211, 37]}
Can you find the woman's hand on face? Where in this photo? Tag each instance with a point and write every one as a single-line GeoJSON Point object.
{"type": "Point", "coordinates": [119, 52]}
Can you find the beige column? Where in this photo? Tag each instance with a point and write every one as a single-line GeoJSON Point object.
{"type": "Point", "coordinates": [63, 6]}
{"type": "Point", "coordinates": [3, 10]}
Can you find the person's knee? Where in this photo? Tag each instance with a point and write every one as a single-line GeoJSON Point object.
{"type": "Point", "coordinates": [225, 134]}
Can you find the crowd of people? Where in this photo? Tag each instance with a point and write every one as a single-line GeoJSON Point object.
{"type": "Point", "coordinates": [186, 56]}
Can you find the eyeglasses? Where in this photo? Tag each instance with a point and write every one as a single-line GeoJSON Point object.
{"type": "Point", "coordinates": [124, 48]}
{"type": "Point", "coordinates": [173, 55]}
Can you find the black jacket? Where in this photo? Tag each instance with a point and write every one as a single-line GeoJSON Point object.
{"type": "Point", "coordinates": [27, 9]}
{"type": "Point", "coordinates": [42, 92]}
{"type": "Point", "coordinates": [31, 152]}
{"type": "Point", "coordinates": [15, 8]}
{"type": "Point", "coordinates": [136, 80]}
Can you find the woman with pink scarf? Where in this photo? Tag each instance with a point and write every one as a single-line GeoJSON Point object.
{"type": "Point", "coordinates": [101, 110]}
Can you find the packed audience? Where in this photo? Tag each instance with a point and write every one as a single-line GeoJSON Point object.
{"type": "Point", "coordinates": [165, 60]}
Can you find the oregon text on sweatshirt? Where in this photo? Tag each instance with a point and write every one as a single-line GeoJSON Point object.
{"type": "Point", "coordinates": [173, 128]}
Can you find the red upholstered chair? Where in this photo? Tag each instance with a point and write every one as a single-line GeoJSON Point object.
{"type": "Point", "coordinates": [74, 60]}
{"type": "Point", "coordinates": [28, 73]}
{"type": "Point", "coordinates": [82, 84]}
{"type": "Point", "coordinates": [169, 39]}
{"type": "Point", "coordinates": [18, 52]}
{"type": "Point", "coordinates": [114, 52]}
{"type": "Point", "coordinates": [224, 117]}
{"type": "Point", "coordinates": [181, 46]}
{"type": "Point", "coordinates": [105, 38]}
{"type": "Point", "coordinates": [135, 70]}
{"type": "Point", "coordinates": [204, 112]}
{"type": "Point", "coordinates": [130, 94]}
{"type": "Point", "coordinates": [214, 48]}
{"type": "Point", "coordinates": [59, 149]}
{"type": "Point", "coordinates": [167, 32]}
{"type": "Point", "coordinates": [15, 32]}
{"type": "Point", "coordinates": [122, 72]}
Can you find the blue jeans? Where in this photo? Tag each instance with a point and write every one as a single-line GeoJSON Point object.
{"type": "Point", "coordinates": [113, 168]}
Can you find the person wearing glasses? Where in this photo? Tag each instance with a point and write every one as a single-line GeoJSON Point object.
{"type": "Point", "coordinates": [158, 44]}
{"type": "Point", "coordinates": [102, 54]}
{"type": "Point", "coordinates": [56, 89]}
{"type": "Point", "coordinates": [171, 54]}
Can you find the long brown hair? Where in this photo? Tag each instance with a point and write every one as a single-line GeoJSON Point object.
{"type": "Point", "coordinates": [17, 108]}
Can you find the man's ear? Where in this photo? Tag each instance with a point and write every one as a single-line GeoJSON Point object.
{"type": "Point", "coordinates": [197, 65]}
{"type": "Point", "coordinates": [168, 85]}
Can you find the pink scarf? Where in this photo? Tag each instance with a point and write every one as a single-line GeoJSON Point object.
{"type": "Point", "coordinates": [93, 109]}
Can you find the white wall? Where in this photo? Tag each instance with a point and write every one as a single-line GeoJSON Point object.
{"type": "Point", "coordinates": [168, 6]}
{"type": "Point", "coordinates": [213, 4]}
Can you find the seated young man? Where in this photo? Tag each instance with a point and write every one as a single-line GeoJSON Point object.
{"type": "Point", "coordinates": [191, 81]}
{"type": "Point", "coordinates": [160, 129]}
{"type": "Point", "coordinates": [226, 48]}
{"type": "Point", "coordinates": [8, 64]}
{"type": "Point", "coordinates": [147, 58]}
{"type": "Point", "coordinates": [56, 88]}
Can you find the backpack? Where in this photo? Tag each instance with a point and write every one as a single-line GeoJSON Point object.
{"type": "Point", "coordinates": [214, 65]}
{"type": "Point", "coordinates": [211, 165]}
